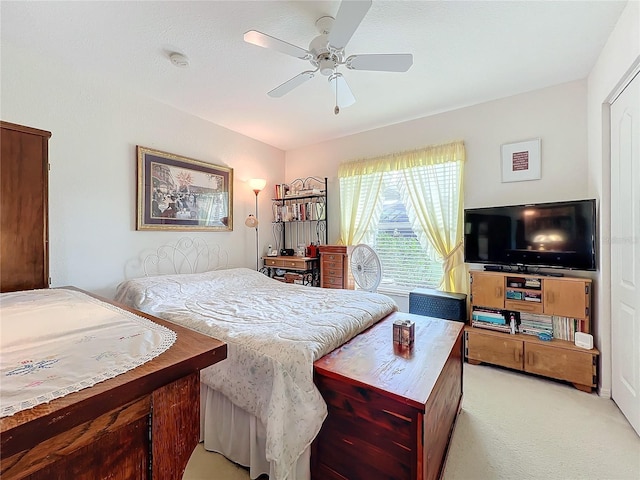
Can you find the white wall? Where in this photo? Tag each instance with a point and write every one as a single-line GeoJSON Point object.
{"type": "Point", "coordinates": [92, 187]}
{"type": "Point", "coordinates": [619, 57]}
{"type": "Point", "coordinates": [557, 115]}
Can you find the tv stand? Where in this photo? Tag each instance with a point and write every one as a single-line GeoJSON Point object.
{"type": "Point", "coordinates": [535, 300]}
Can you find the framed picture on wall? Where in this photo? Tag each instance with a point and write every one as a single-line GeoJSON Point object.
{"type": "Point", "coordinates": [521, 161]}
{"type": "Point", "coordinates": [180, 193]}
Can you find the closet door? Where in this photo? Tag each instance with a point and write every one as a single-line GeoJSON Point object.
{"type": "Point", "coordinates": [24, 166]}
{"type": "Point", "coordinates": [625, 252]}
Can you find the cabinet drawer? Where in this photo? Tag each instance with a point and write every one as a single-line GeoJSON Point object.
{"type": "Point", "coordinates": [330, 265]}
{"type": "Point", "coordinates": [292, 263]}
{"type": "Point", "coordinates": [332, 257]}
{"type": "Point", "coordinates": [297, 264]}
{"type": "Point", "coordinates": [562, 364]}
{"type": "Point", "coordinates": [272, 262]}
{"type": "Point", "coordinates": [333, 273]}
{"type": "Point", "coordinates": [494, 349]}
{"type": "Point", "coordinates": [523, 306]}
{"type": "Point", "coordinates": [332, 282]}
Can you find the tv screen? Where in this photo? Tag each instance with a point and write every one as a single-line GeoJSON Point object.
{"type": "Point", "coordinates": [554, 235]}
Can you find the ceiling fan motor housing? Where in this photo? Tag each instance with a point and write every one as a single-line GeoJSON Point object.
{"type": "Point", "coordinates": [322, 57]}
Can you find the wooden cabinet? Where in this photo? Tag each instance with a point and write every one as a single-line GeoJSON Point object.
{"type": "Point", "coordinates": [488, 290]}
{"type": "Point", "coordinates": [493, 348]}
{"type": "Point", "coordinates": [24, 173]}
{"type": "Point", "coordinates": [562, 299]}
{"type": "Point", "coordinates": [335, 270]}
{"type": "Point", "coordinates": [567, 297]}
{"type": "Point", "coordinates": [391, 410]}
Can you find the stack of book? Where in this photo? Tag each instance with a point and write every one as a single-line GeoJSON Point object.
{"type": "Point", "coordinates": [490, 319]}
{"type": "Point", "coordinates": [564, 328]}
{"type": "Point", "coordinates": [282, 190]}
{"type": "Point", "coordinates": [532, 324]}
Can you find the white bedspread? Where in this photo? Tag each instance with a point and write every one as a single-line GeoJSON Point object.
{"type": "Point", "coordinates": [274, 332]}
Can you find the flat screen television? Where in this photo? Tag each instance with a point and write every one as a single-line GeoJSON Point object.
{"type": "Point", "coordinates": [551, 235]}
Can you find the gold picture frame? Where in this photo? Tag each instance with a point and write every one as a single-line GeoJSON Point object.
{"type": "Point", "coordinates": [180, 193]}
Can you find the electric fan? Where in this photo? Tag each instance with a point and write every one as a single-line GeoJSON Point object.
{"type": "Point", "coordinates": [365, 267]}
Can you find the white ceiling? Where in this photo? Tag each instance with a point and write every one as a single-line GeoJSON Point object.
{"type": "Point", "coordinates": [465, 52]}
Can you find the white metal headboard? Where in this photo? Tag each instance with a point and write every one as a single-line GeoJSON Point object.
{"type": "Point", "coordinates": [187, 255]}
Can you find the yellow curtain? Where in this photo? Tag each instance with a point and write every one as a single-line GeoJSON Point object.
{"type": "Point", "coordinates": [438, 213]}
{"type": "Point", "coordinates": [430, 206]}
{"type": "Point", "coordinates": [360, 201]}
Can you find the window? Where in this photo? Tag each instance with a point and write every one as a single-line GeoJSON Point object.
{"type": "Point", "coordinates": [406, 264]}
{"type": "Point", "coordinates": [407, 207]}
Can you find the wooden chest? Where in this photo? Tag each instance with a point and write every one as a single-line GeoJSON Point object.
{"type": "Point", "coordinates": [334, 266]}
{"type": "Point", "coordinates": [391, 409]}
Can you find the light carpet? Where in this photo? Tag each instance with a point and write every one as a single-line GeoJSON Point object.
{"type": "Point", "coordinates": [514, 426]}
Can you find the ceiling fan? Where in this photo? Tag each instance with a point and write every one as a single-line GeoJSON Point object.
{"type": "Point", "coordinates": [326, 53]}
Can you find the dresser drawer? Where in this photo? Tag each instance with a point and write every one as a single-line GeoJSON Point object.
{"type": "Point", "coordinates": [332, 282]}
{"type": "Point", "coordinates": [272, 262]}
{"type": "Point", "coordinates": [292, 263]}
{"type": "Point", "coordinates": [333, 273]}
{"type": "Point", "coordinates": [332, 257]}
{"type": "Point", "coordinates": [331, 264]}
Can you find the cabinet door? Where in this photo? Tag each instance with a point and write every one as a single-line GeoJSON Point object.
{"type": "Point", "coordinates": [487, 290]}
{"type": "Point", "coordinates": [494, 349]}
{"type": "Point", "coordinates": [566, 298]}
{"type": "Point", "coordinates": [24, 258]}
{"type": "Point", "coordinates": [564, 364]}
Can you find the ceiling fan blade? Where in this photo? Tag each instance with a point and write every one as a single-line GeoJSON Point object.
{"type": "Point", "coordinates": [267, 41]}
{"type": "Point", "coordinates": [381, 62]}
{"type": "Point", "coordinates": [289, 85]}
{"type": "Point", "coordinates": [340, 88]}
{"type": "Point", "coordinates": [349, 16]}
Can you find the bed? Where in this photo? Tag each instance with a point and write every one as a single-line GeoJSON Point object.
{"type": "Point", "coordinates": [260, 408]}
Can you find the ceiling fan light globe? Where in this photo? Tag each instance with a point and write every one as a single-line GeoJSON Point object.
{"type": "Point", "coordinates": [326, 66]}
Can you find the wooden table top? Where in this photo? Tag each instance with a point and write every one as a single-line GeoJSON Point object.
{"type": "Point", "coordinates": [373, 360]}
{"type": "Point", "coordinates": [191, 352]}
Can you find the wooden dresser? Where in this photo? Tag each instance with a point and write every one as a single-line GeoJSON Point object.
{"type": "Point", "coordinates": [142, 424]}
{"type": "Point", "coordinates": [334, 266]}
{"type": "Point", "coordinates": [391, 409]}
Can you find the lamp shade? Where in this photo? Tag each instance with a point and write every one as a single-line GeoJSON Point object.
{"type": "Point", "coordinates": [251, 221]}
{"type": "Point", "coordinates": [257, 184]}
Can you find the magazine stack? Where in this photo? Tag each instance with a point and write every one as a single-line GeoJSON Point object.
{"type": "Point", "coordinates": [490, 319]}
{"type": "Point", "coordinates": [533, 324]}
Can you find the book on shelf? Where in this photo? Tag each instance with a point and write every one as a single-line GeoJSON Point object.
{"type": "Point", "coordinates": [491, 326]}
{"type": "Point", "coordinates": [532, 297]}
{"type": "Point", "coordinates": [489, 317]}
{"type": "Point", "coordinates": [564, 328]}
{"type": "Point", "coordinates": [533, 283]}
{"type": "Point", "coordinates": [282, 190]}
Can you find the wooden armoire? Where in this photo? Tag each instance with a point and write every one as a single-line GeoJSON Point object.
{"type": "Point", "coordinates": [24, 177]}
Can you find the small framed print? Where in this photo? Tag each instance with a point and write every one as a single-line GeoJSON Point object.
{"type": "Point", "coordinates": [521, 161]}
